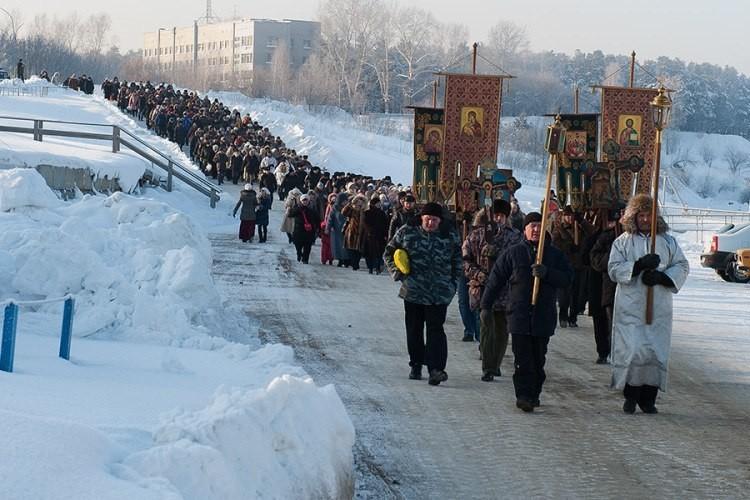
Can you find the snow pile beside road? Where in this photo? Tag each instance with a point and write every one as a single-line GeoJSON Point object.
{"type": "Point", "coordinates": [25, 188]}
{"type": "Point", "coordinates": [272, 443]}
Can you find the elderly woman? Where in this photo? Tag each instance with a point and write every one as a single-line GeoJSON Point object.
{"type": "Point", "coordinates": [248, 202]}
{"type": "Point", "coordinates": [326, 253]}
{"type": "Point", "coordinates": [306, 227]}
{"type": "Point", "coordinates": [287, 224]}
{"type": "Point", "coordinates": [354, 212]}
{"type": "Point", "coordinates": [335, 222]}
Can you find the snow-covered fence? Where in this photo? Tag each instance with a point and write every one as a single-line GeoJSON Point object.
{"type": "Point", "coordinates": [10, 323]}
{"type": "Point", "coordinates": [118, 137]}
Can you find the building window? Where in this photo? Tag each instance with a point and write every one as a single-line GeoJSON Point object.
{"type": "Point", "coordinates": [307, 44]}
{"type": "Point", "coordinates": [273, 41]}
{"type": "Point", "coordinates": [269, 57]}
{"type": "Point", "coordinates": [246, 58]}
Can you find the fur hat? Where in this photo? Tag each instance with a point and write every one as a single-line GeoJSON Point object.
{"type": "Point", "coordinates": [532, 217]}
{"type": "Point", "coordinates": [432, 209]}
{"type": "Point", "coordinates": [501, 206]}
{"type": "Point", "coordinates": [304, 197]}
{"type": "Point", "coordinates": [636, 204]}
{"type": "Point", "coordinates": [248, 187]}
{"type": "Point", "coordinates": [480, 219]}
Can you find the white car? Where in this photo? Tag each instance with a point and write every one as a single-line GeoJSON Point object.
{"type": "Point", "coordinates": [4, 74]}
{"type": "Point", "coordinates": [722, 253]}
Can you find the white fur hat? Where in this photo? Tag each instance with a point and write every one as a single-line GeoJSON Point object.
{"type": "Point", "coordinates": [248, 187]}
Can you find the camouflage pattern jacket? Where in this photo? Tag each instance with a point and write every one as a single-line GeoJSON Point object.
{"type": "Point", "coordinates": [479, 256]}
{"type": "Point", "coordinates": [434, 262]}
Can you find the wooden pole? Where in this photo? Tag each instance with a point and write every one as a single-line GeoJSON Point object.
{"type": "Point", "coordinates": [474, 59]}
{"type": "Point", "coordinates": [632, 69]}
{"type": "Point", "coordinates": [434, 93]}
{"type": "Point", "coordinates": [576, 97]}
{"type": "Point", "coordinates": [654, 208]}
{"type": "Point", "coordinates": [543, 234]}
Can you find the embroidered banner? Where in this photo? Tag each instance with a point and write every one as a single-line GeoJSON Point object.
{"type": "Point", "coordinates": [428, 146]}
{"type": "Point", "coordinates": [581, 141]}
{"type": "Point", "coordinates": [472, 122]}
{"type": "Point", "coordinates": [627, 124]}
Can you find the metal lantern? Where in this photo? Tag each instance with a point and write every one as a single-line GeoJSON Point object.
{"type": "Point", "coordinates": [660, 109]}
{"type": "Point", "coordinates": [555, 140]}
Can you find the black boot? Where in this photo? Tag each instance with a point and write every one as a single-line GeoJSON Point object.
{"type": "Point", "coordinates": [416, 373]}
{"type": "Point", "coordinates": [629, 406]}
{"type": "Point", "coordinates": [437, 376]}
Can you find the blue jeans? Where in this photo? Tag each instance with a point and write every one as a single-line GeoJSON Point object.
{"type": "Point", "coordinates": [469, 318]}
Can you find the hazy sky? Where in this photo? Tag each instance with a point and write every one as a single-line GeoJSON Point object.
{"type": "Point", "coordinates": [699, 31]}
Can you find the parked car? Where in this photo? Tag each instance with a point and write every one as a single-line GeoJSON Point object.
{"type": "Point", "coordinates": [4, 74]}
{"type": "Point", "coordinates": [727, 252]}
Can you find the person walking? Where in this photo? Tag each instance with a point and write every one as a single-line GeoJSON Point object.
{"type": "Point", "coordinates": [354, 212]}
{"type": "Point", "coordinates": [568, 235]}
{"type": "Point", "coordinates": [487, 241]}
{"type": "Point", "coordinates": [306, 227]}
{"type": "Point", "coordinates": [261, 214]}
{"type": "Point", "coordinates": [374, 234]}
{"type": "Point", "coordinates": [326, 252]}
{"type": "Point", "coordinates": [335, 225]}
{"type": "Point", "coordinates": [640, 352]}
{"type": "Point", "coordinates": [531, 326]}
{"type": "Point", "coordinates": [20, 70]}
{"type": "Point", "coordinates": [248, 202]}
{"type": "Point", "coordinates": [434, 256]}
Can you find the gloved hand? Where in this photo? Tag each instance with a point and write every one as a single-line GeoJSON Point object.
{"type": "Point", "coordinates": [652, 277]}
{"type": "Point", "coordinates": [398, 276]}
{"type": "Point", "coordinates": [539, 271]}
{"type": "Point", "coordinates": [648, 261]}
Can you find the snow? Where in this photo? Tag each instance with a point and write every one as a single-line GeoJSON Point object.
{"type": "Point", "coordinates": [156, 402]}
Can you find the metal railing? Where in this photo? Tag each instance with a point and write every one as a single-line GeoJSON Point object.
{"type": "Point", "coordinates": [120, 137]}
{"type": "Point", "coordinates": [10, 324]}
{"type": "Point", "coordinates": [25, 90]}
{"type": "Point", "coordinates": [701, 220]}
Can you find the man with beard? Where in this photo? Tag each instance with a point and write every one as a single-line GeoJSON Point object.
{"type": "Point", "coordinates": [640, 352]}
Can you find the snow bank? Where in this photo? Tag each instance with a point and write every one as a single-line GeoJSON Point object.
{"type": "Point", "coordinates": [291, 440]}
{"type": "Point", "coordinates": [25, 188]}
{"type": "Point", "coordinates": [32, 81]}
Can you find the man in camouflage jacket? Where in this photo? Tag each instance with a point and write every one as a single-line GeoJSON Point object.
{"type": "Point", "coordinates": [483, 245]}
{"type": "Point", "coordinates": [428, 288]}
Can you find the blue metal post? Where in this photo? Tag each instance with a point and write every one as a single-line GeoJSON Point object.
{"type": "Point", "coordinates": [67, 329]}
{"type": "Point", "coordinates": [8, 348]}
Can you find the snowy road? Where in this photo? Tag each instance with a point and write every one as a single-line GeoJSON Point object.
{"type": "Point", "coordinates": [465, 438]}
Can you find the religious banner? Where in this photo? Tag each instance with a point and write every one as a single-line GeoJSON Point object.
{"type": "Point", "coordinates": [428, 146]}
{"type": "Point", "coordinates": [628, 138]}
{"type": "Point", "coordinates": [573, 175]}
{"type": "Point", "coordinates": [472, 121]}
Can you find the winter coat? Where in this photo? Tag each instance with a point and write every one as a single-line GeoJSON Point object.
{"type": "Point", "coordinates": [287, 224]}
{"type": "Point", "coordinates": [513, 268]}
{"type": "Point", "coordinates": [353, 231]}
{"type": "Point", "coordinates": [434, 262]}
{"type": "Point", "coordinates": [401, 217]}
{"type": "Point", "coordinates": [640, 352]}
{"type": "Point", "coordinates": [563, 236]}
{"type": "Point", "coordinates": [248, 202]}
{"type": "Point", "coordinates": [261, 211]}
{"type": "Point", "coordinates": [599, 258]}
{"type": "Point", "coordinates": [301, 215]}
{"type": "Point", "coordinates": [335, 226]}
{"type": "Point", "coordinates": [268, 181]}
{"type": "Point", "coordinates": [374, 232]}
{"type": "Point", "coordinates": [479, 256]}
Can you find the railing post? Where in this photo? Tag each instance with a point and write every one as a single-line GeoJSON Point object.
{"type": "Point", "coordinates": [214, 198]}
{"type": "Point", "coordinates": [38, 124]}
{"type": "Point", "coordinates": [67, 328]}
{"type": "Point", "coordinates": [170, 171]}
{"type": "Point", "coordinates": [7, 351]}
{"type": "Point", "coordinates": [115, 139]}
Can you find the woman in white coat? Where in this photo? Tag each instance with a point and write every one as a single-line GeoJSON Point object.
{"type": "Point", "coordinates": [640, 352]}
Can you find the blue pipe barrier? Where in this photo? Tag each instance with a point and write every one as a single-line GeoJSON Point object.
{"type": "Point", "coordinates": [67, 328]}
{"type": "Point", "coordinates": [8, 346]}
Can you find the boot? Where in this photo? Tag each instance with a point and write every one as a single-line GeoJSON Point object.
{"type": "Point", "coordinates": [563, 323]}
{"type": "Point", "coordinates": [525, 406]}
{"type": "Point", "coordinates": [488, 377]}
{"type": "Point", "coordinates": [437, 376]}
{"type": "Point", "coordinates": [416, 373]}
{"type": "Point", "coordinates": [629, 406]}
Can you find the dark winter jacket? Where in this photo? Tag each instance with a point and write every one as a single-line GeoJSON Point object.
{"type": "Point", "coordinates": [374, 232]}
{"type": "Point", "coordinates": [514, 267]}
{"type": "Point", "coordinates": [248, 202]}
{"type": "Point", "coordinates": [563, 236]}
{"type": "Point", "coordinates": [599, 257]}
{"type": "Point", "coordinates": [300, 214]}
{"type": "Point", "coordinates": [434, 261]}
{"type": "Point", "coordinates": [401, 217]}
{"type": "Point", "coordinates": [261, 211]}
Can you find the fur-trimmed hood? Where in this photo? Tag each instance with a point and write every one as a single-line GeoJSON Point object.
{"type": "Point", "coordinates": [636, 204]}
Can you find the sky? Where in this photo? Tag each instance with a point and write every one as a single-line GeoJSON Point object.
{"type": "Point", "coordinates": [698, 31]}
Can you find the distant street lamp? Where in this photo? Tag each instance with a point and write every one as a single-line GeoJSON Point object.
{"type": "Point", "coordinates": [158, 49]}
{"type": "Point", "coordinates": [174, 49]}
{"type": "Point", "coordinates": [661, 108]}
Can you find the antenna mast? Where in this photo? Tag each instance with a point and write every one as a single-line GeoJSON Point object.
{"type": "Point", "coordinates": [209, 17]}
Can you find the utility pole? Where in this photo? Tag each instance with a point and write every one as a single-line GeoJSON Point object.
{"type": "Point", "coordinates": [174, 46]}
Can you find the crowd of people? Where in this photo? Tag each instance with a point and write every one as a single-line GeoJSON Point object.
{"type": "Point", "coordinates": [599, 259]}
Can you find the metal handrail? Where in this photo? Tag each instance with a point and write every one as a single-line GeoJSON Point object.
{"type": "Point", "coordinates": [169, 164]}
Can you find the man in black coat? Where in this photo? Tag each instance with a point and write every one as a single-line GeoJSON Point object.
{"type": "Point", "coordinates": [20, 70]}
{"type": "Point", "coordinates": [530, 326]}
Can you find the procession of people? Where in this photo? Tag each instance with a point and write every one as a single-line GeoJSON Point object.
{"type": "Point", "coordinates": [595, 263]}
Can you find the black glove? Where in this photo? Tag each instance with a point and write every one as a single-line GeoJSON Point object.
{"type": "Point", "coordinates": [652, 277]}
{"type": "Point", "coordinates": [398, 276]}
{"type": "Point", "coordinates": [539, 271]}
{"type": "Point", "coordinates": [648, 261]}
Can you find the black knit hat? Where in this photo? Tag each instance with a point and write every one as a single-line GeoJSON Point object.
{"type": "Point", "coordinates": [501, 206]}
{"type": "Point", "coordinates": [532, 217]}
{"type": "Point", "coordinates": [433, 209]}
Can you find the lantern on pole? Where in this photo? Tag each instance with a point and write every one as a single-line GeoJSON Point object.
{"type": "Point", "coordinates": [661, 108]}
{"type": "Point", "coordinates": [554, 144]}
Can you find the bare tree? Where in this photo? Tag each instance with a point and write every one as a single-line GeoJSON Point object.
{"type": "Point", "coordinates": [280, 72]}
{"type": "Point", "coordinates": [415, 31]}
{"type": "Point", "coordinates": [348, 34]}
{"type": "Point", "coordinates": [380, 60]}
{"type": "Point", "coordinates": [707, 154]}
{"type": "Point", "coordinates": [93, 33]}
{"type": "Point", "coordinates": [13, 24]}
{"type": "Point", "coordinates": [736, 159]}
{"type": "Point", "coordinates": [507, 39]}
